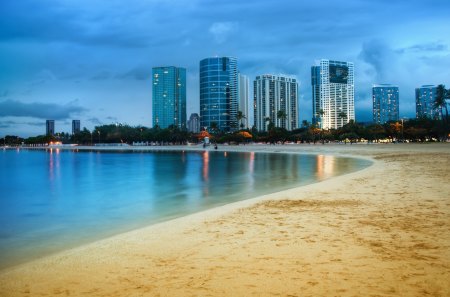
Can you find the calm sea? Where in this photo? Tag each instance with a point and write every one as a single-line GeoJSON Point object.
{"type": "Point", "coordinates": [51, 200]}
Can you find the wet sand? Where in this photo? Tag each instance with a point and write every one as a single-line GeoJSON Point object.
{"type": "Point", "coordinates": [382, 231]}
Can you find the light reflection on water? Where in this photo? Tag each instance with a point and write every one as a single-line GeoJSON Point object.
{"type": "Point", "coordinates": [52, 200]}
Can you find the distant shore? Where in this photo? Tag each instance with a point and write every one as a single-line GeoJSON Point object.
{"type": "Point", "coordinates": [379, 231]}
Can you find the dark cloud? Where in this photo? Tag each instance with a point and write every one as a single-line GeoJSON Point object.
{"type": "Point", "coordinates": [95, 121]}
{"type": "Point", "coordinates": [426, 47]}
{"type": "Point", "coordinates": [39, 110]}
{"type": "Point", "coordinates": [114, 119]}
{"type": "Point", "coordinates": [380, 56]}
{"type": "Point", "coordinates": [138, 73]}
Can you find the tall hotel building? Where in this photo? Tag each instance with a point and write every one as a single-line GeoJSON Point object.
{"type": "Point", "coordinates": [385, 103]}
{"type": "Point", "coordinates": [243, 99]}
{"type": "Point", "coordinates": [425, 97]}
{"type": "Point", "coordinates": [333, 93]}
{"type": "Point", "coordinates": [219, 93]}
{"type": "Point", "coordinates": [50, 127]}
{"type": "Point", "coordinates": [272, 94]}
{"type": "Point", "coordinates": [169, 97]}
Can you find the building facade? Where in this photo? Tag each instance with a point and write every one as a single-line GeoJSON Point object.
{"type": "Point", "coordinates": [333, 93]}
{"type": "Point", "coordinates": [76, 126]}
{"type": "Point", "coordinates": [193, 124]}
{"type": "Point", "coordinates": [219, 93]}
{"type": "Point", "coordinates": [243, 100]}
{"type": "Point", "coordinates": [50, 127]}
{"type": "Point", "coordinates": [385, 99]}
{"type": "Point", "coordinates": [169, 97]}
{"type": "Point", "coordinates": [272, 94]}
{"type": "Point", "coordinates": [425, 97]}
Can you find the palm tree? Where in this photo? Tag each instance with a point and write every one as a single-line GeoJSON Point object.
{"type": "Point", "coordinates": [281, 114]}
{"type": "Point", "coordinates": [440, 103]}
{"type": "Point", "coordinates": [270, 124]}
{"type": "Point", "coordinates": [342, 115]}
{"type": "Point", "coordinates": [214, 126]}
{"type": "Point", "coordinates": [319, 116]}
{"type": "Point", "coordinates": [305, 124]}
{"type": "Point", "coordinates": [239, 117]}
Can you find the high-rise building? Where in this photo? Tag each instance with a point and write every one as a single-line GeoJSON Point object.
{"type": "Point", "coordinates": [193, 124]}
{"type": "Point", "coordinates": [219, 93]}
{"type": "Point", "coordinates": [385, 103]}
{"type": "Point", "coordinates": [169, 97]}
{"type": "Point", "coordinates": [76, 126]}
{"type": "Point", "coordinates": [333, 93]}
{"type": "Point", "coordinates": [243, 99]}
{"type": "Point", "coordinates": [50, 127]}
{"type": "Point", "coordinates": [425, 97]}
{"type": "Point", "coordinates": [272, 94]}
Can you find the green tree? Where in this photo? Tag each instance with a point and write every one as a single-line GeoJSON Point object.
{"type": "Point", "coordinates": [239, 117]}
{"type": "Point", "coordinates": [319, 116]}
{"type": "Point", "coordinates": [342, 115]}
{"type": "Point", "coordinates": [440, 103]}
{"type": "Point", "coordinates": [214, 127]}
{"type": "Point", "coordinates": [305, 124]}
{"type": "Point", "coordinates": [281, 115]}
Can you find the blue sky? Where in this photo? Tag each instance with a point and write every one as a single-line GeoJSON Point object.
{"type": "Point", "coordinates": [91, 60]}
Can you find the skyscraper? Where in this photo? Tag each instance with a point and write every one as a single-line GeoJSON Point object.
{"type": "Point", "coordinates": [385, 103]}
{"type": "Point", "coordinates": [425, 97]}
{"type": "Point", "coordinates": [243, 99]}
{"type": "Point", "coordinates": [50, 127]}
{"type": "Point", "coordinates": [219, 93]}
{"type": "Point", "coordinates": [333, 93]}
{"type": "Point", "coordinates": [76, 126]}
{"type": "Point", "coordinates": [271, 95]}
{"type": "Point", "coordinates": [193, 124]}
{"type": "Point", "coordinates": [169, 97]}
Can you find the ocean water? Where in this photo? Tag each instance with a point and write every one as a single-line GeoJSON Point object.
{"type": "Point", "coordinates": [51, 200]}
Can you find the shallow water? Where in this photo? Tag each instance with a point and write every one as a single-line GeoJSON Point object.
{"type": "Point", "coordinates": [53, 200]}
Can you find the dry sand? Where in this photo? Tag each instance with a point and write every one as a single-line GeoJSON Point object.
{"type": "Point", "coordinates": [382, 231]}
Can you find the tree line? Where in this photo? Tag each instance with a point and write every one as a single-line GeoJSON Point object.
{"type": "Point", "coordinates": [414, 130]}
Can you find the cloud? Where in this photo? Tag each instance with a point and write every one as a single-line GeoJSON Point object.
{"type": "Point", "coordinates": [221, 30]}
{"type": "Point", "coordinates": [39, 110]}
{"type": "Point", "coordinates": [425, 47]}
{"type": "Point", "coordinates": [114, 119]}
{"type": "Point", "coordinates": [95, 121]}
{"type": "Point", "coordinates": [137, 73]}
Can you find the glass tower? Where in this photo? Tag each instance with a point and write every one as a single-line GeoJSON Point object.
{"type": "Point", "coordinates": [333, 93]}
{"type": "Point", "coordinates": [425, 97]}
{"type": "Point", "coordinates": [169, 97]}
{"type": "Point", "coordinates": [219, 93]}
{"type": "Point", "coordinates": [385, 103]}
{"type": "Point", "coordinates": [272, 94]}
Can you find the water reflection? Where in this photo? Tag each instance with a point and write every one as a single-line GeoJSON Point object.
{"type": "Point", "coordinates": [91, 194]}
{"type": "Point", "coordinates": [325, 167]}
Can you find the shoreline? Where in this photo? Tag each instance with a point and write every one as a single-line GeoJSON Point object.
{"type": "Point", "coordinates": [259, 150]}
{"type": "Point", "coordinates": [196, 235]}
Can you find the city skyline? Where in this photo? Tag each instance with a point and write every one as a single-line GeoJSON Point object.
{"type": "Point", "coordinates": [93, 61]}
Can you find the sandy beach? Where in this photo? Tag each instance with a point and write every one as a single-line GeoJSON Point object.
{"type": "Point", "coordinates": [381, 231]}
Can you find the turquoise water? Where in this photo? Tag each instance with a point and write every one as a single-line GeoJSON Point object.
{"type": "Point", "coordinates": [53, 200]}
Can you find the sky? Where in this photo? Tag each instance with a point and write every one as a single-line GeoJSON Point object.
{"type": "Point", "coordinates": [92, 60]}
